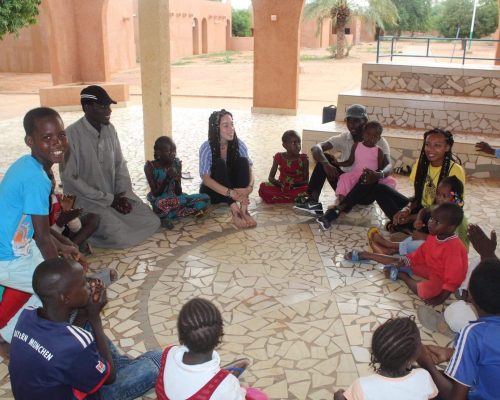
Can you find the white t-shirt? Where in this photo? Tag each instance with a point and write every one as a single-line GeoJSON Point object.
{"type": "Point", "coordinates": [343, 143]}
{"type": "Point", "coordinates": [417, 385]}
{"type": "Point", "coordinates": [181, 381]}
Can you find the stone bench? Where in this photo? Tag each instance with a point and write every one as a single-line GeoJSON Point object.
{"type": "Point", "coordinates": [439, 79]}
{"type": "Point", "coordinates": [67, 97]}
{"type": "Point", "coordinates": [407, 143]}
{"type": "Point", "coordinates": [416, 111]}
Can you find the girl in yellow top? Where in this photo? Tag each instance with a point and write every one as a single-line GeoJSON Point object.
{"type": "Point", "coordinates": [436, 162]}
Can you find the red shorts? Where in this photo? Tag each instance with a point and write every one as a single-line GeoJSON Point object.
{"type": "Point", "coordinates": [429, 288]}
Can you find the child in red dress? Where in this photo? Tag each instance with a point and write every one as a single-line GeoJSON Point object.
{"type": "Point", "coordinates": [294, 172]}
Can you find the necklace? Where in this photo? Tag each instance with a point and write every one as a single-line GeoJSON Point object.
{"type": "Point", "coordinates": [430, 179]}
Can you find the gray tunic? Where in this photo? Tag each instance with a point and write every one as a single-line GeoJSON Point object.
{"type": "Point", "coordinates": [95, 171]}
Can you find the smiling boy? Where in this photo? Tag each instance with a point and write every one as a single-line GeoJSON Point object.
{"type": "Point", "coordinates": [25, 238]}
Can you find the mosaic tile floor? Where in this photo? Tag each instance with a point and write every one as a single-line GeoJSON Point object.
{"type": "Point", "coordinates": [290, 301]}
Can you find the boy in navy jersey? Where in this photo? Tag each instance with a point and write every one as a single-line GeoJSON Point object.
{"type": "Point", "coordinates": [53, 359]}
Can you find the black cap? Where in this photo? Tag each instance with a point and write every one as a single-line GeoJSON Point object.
{"type": "Point", "coordinates": [95, 94]}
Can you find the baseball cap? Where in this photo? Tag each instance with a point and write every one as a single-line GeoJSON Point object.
{"type": "Point", "coordinates": [356, 111]}
{"type": "Point", "coordinates": [96, 94]}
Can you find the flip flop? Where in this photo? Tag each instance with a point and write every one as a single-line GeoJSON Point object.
{"type": "Point", "coordinates": [394, 271]}
{"type": "Point", "coordinates": [237, 371]}
{"type": "Point", "coordinates": [355, 257]}
{"type": "Point", "coordinates": [434, 321]}
{"type": "Point", "coordinates": [372, 232]}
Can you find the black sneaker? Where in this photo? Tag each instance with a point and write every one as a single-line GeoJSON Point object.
{"type": "Point", "coordinates": [310, 206]}
{"type": "Point", "coordinates": [324, 224]}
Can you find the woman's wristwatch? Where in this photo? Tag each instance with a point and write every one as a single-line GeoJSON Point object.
{"type": "Point", "coordinates": [228, 193]}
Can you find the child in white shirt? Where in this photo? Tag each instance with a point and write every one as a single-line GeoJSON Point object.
{"type": "Point", "coordinates": [395, 346]}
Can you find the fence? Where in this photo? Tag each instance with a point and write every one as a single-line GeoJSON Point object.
{"type": "Point", "coordinates": [462, 41]}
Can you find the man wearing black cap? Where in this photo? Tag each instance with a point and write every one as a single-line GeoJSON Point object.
{"type": "Point", "coordinates": [356, 118]}
{"type": "Point", "coordinates": [96, 172]}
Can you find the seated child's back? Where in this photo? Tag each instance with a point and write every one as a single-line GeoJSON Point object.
{"type": "Point", "coordinates": [192, 370]}
{"type": "Point", "coordinates": [395, 345]}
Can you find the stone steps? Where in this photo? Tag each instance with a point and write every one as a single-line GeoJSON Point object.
{"type": "Point", "coordinates": [406, 145]}
{"type": "Point", "coordinates": [439, 79]}
{"type": "Point", "coordinates": [467, 115]}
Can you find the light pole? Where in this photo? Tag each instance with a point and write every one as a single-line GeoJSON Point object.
{"type": "Point", "coordinates": [472, 24]}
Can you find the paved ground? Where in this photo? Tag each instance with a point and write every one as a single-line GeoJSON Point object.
{"type": "Point", "coordinates": [289, 300]}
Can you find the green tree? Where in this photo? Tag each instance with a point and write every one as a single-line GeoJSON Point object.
{"type": "Point", "coordinates": [458, 14]}
{"type": "Point", "coordinates": [413, 16]}
{"type": "Point", "coordinates": [380, 12]}
{"type": "Point", "coordinates": [15, 14]}
{"type": "Point", "coordinates": [242, 22]}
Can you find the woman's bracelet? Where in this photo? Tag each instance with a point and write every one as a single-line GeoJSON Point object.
{"type": "Point", "coordinates": [228, 192]}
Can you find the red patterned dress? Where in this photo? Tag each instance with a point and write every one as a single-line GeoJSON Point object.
{"type": "Point", "coordinates": [291, 172]}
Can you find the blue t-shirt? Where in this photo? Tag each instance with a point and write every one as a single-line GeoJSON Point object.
{"type": "Point", "coordinates": [24, 191]}
{"type": "Point", "coordinates": [54, 360]}
{"type": "Point", "coordinates": [476, 360]}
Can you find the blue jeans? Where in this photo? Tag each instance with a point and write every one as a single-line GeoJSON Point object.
{"type": "Point", "coordinates": [134, 377]}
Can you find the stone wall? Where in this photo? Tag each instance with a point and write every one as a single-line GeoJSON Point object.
{"type": "Point", "coordinates": [450, 80]}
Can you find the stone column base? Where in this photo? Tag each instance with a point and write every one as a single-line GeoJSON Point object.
{"type": "Point", "coordinates": [67, 97]}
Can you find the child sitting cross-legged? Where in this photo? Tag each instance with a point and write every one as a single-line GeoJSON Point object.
{"type": "Point", "coordinates": [192, 371]}
{"type": "Point", "coordinates": [164, 177]}
{"type": "Point", "coordinates": [294, 173]}
{"type": "Point", "coordinates": [395, 346]}
{"type": "Point", "coordinates": [473, 370]}
{"type": "Point", "coordinates": [441, 260]}
{"type": "Point", "coordinates": [449, 190]}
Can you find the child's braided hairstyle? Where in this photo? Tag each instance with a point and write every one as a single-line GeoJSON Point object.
{"type": "Point", "coordinates": [423, 163]}
{"type": "Point", "coordinates": [200, 325]}
{"type": "Point", "coordinates": [395, 343]}
{"type": "Point", "coordinates": [233, 149]}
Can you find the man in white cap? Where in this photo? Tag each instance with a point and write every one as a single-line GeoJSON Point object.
{"type": "Point", "coordinates": [96, 172]}
{"type": "Point", "coordinates": [356, 118]}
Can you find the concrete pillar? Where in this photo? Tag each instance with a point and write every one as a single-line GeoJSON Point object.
{"type": "Point", "coordinates": [498, 38]}
{"type": "Point", "coordinates": [276, 55]}
{"type": "Point", "coordinates": [155, 71]}
{"type": "Point", "coordinates": [77, 40]}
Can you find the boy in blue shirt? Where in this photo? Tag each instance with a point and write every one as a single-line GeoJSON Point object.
{"type": "Point", "coordinates": [474, 368]}
{"type": "Point", "coordinates": [25, 239]}
{"type": "Point", "coordinates": [54, 359]}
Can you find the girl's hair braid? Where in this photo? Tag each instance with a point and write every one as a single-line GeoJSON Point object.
{"type": "Point", "coordinates": [160, 141]}
{"type": "Point", "coordinates": [233, 149]}
{"type": "Point", "coordinates": [200, 325]}
{"type": "Point", "coordinates": [423, 163]}
{"type": "Point", "coordinates": [395, 343]}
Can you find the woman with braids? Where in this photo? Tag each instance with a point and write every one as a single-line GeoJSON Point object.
{"type": "Point", "coordinates": [435, 163]}
{"type": "Point", "coordinates": [225, 168]}
{"type": "Point", "coordinates": [395, 346]}
{"type": "Point", "coordinates": [192, 371]}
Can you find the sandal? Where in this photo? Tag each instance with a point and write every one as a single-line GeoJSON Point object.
{"type": "Point", "coordinates": [237, 367]}
{"type": "Point", "coordinates": [434, 321]}
{"type": "Point", "coordinates": [355, 256]}
{"type": "Point", "coordinates": [394, 271]}
{"type": "Point", "coordinates": [372, 232]}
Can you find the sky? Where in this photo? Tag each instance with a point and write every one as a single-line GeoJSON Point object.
{"type": "Point", "coordinates": [241, 3]}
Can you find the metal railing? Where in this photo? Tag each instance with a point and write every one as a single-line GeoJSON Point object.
{"type": "Point", "coordinates": [462, 41]}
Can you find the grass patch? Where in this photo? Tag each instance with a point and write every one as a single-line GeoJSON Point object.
{"type": "Point", "coordinates": [309, 57]}
{"type": "Point", "coordinates": [182, 61]}
{"type": "Point", "coordinates": [212, 55]}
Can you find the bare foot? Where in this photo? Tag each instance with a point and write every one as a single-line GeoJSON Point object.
{"type": "Point", "coordinates": [251, 223]}
{"type": "Point", "coordinates": [238, 220]}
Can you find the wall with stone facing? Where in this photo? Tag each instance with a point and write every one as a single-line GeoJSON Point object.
{"type": "Point", "coordinates": [448, 81]}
